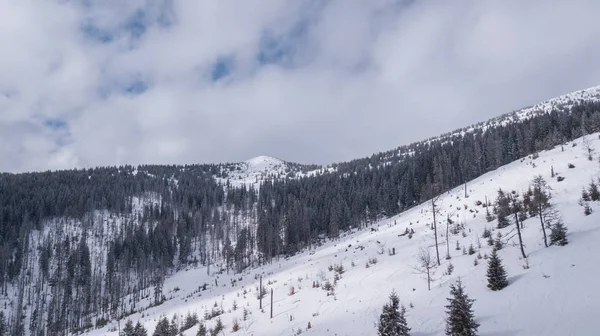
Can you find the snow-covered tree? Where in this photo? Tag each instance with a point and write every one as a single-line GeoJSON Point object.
{"type": "Point", "coordinates": [139, 330]}
{"type": "Point", "coordinates": [202, 331]}
{"type": "Point", "coordinates": [496, 273]}
{"type": "Point", "coordinates": [162, 328]}
{"type": "Point", "coordinates": [558, 234]}
{"type": "Point", "coordinates": [128, 329]}
{"type": "Point", "coordinates": [460, 319]}
{"type": "Point", "coordinates": [392, 321]}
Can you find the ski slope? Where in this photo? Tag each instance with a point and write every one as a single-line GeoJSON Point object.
{"type": "Point", "coordinates": [556, 295]}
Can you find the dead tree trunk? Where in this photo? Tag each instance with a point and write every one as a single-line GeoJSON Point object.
{"type": "Point", "coordinates": [437, 250]}
{"type": "Point", "coordinates": [540, 212]}
{"type": "Point", "coordinates": [260, 292]}
{"type": "Point", "coordinates": [516, 212]}
{"type": "Point", "coordinates": [271, 302]}
{"type": "Point", "coordinates": [448, 238]}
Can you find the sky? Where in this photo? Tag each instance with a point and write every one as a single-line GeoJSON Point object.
{"type": "Point", "coordinates": [94, 83]}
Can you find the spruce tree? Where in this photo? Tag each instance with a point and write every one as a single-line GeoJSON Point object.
{"type": "Point", "coordinates": [495, 273]}
{"type": "Point", "coordinates": [471, 249]}
{"type": "Point", "coordinates": [162, 328]}
{"type": "Point", "coordinates": [128, 329]}
{"type": "Point", "coordinates": [558, 234]}
{"type": "Point", "coordinates": [392, 321]}
{"type": "Point", "coordinates": [219, 326]}
{"type": "Point", "coordinates": [460, 319]}
{"type": "Point", "coordinates": [139, 330]}
{"type": "Point", "coordinates": [202, 331]}
{"type": "Point", "coordinates": [594, 194]}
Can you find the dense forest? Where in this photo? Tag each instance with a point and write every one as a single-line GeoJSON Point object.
{"type": "Point", "coordinates": [81, 247]}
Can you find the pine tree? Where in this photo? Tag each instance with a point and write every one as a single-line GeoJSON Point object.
{"type": "Point", "coordinates": [392, 321]}
{"type": "Point", "coordinates": [503, 206]}
{"type": "Point", "coordinates": [558, 234]}
{"type": "Point", "coordinates": [162, 328]}
{"type": "Point", "coordinates": [594, 194]}
{"type": "Point", "coordinates": [486, 233]}
{"type": "Point", "coordinates": [219, 326]}
{"type": "Point", "coordinates": [139, 330]}
{"type": "Point", "coordinates": [202, 331]}
{"type": "Point", "coordinates": [471, 249]}
{"type": "Point", "coordinates": [495, 273]}
{"type": "Point", "coordinates": [460, 320]}
{"type": "Point", "coordinates": [128, 329]}
{"type": "Point", "coordinates": [173, 328]}
{"type": "Point", "coordinates": [498, 245]}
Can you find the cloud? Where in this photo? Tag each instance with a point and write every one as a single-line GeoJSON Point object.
{"type": "Point", "coordinates": [169, 81]}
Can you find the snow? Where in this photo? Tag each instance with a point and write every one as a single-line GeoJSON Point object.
{"type": "Point", "coordinates": [563, 103]}
{"type": "Point", "coordinates": [555, 296]}
{"type": "Point", "coordinates": [255, 171]}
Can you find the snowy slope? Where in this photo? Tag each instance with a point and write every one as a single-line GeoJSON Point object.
{"type": "Point", "coordinates": [555, 296]}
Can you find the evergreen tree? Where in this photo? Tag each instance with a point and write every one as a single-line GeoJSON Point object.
{"type": "Point", "coordinates": [128, 329]}
{"type": "Point", "coordinates": [486, 233]}
{"type": "Point", "coordinates": [162, 328]}
{"type": "Point", "coordinates": [594, 194]}
{"type": "Point", "coordinates": [392, 321]}
{"type": "Point", "coordinates": [202, 331]}
{"type": "Point", "coordinates": [139, 330]}
{"type": "Point", "coordinates": [460, 319]}
{"type": "Point", "coordinates": [495, 273]}
{"type": "Point", "coordinates": [173, 328]}
{"type": "Point", "coordinates": [219, 326]}
{"type": "Point", "coordinates": [471, 249]}
{"type": "Point", "coordinates": [558, 234]}
{"type": "Point", "coordinates": [503, 208]}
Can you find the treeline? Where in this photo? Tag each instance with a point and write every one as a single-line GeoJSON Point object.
{"type": "Point", "coordinates": [75, 244]}
{"type": "Point", "coordinates": [73, 279]}
{"type": "Point", "coordinates": [293, 213]}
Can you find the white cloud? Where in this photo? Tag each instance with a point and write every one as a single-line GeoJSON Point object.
{"type": "Point", "coordinates": [355, 77]}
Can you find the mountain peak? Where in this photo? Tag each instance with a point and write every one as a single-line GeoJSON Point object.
{"type": "Point", "coordinates": [263, 161]}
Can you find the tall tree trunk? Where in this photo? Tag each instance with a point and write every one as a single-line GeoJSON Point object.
{"type": "Point", "coordinates": [437, 250]}
{"type": "Point", "coordinates": [542, 223]}
{"type": "Point", "coordinates": [271, 302]}
{"type": "Point", "coordinates": [519, 233]}
{"type": "Point", "coordinates": [448, 237]}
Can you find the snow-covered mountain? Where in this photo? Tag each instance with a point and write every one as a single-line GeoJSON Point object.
{"type": "Point", "coordinates": [561, 103]}
{"type": "Point", "coordinates": [550, 293]}
{"type": "Point", "coordinates": [85, 251]}
{"type": "Point", "coordinates": [255, 171]}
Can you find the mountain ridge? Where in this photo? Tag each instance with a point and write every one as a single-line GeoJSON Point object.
{"type": "Point", "coordinates": [114, 235]}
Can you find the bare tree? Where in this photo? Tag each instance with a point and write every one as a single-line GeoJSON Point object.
{"type": "Point", "coordinates": [435, 211]}
{"type": "Point", "coordinates": [448, 223]}
{"type": "Point", "coordinates": [516, 207]}
{"type": "Point", "coordinates": [425, 265]}
{"type": "Point", "coordinates": [541, 195]}
{"type": "Point", "coordinates": [589, 149]}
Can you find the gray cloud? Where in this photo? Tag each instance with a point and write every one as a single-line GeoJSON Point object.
{"type": "Point", "coordinates": [309, 81]}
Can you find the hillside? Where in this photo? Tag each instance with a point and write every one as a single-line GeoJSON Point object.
{"type": "Point", "coordinates": [87, 248]}
{"type": "Point", "coordinates": [554, 296]}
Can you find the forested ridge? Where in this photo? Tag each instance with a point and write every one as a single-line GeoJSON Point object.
{"type": "Point", "coordinates": [80, 247]}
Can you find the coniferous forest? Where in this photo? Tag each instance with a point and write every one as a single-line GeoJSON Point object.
{"type": "Point", "coordinates": [81, 247]}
